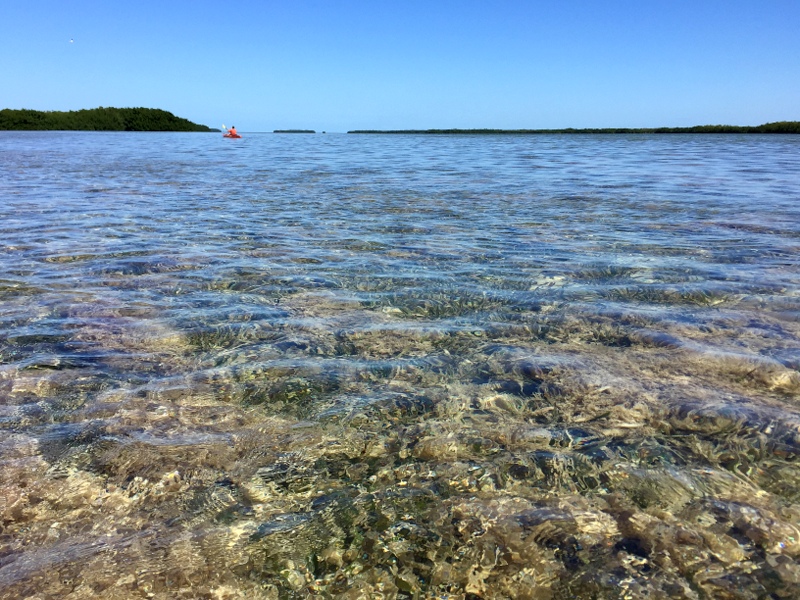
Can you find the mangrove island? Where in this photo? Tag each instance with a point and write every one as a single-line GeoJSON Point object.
{"type": "Point", "coordinates": [777, 127]}
{"type": "Point", "coordinates": [97, 119]}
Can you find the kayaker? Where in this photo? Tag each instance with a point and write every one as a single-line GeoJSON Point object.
{"type": "Point", "coordinates": [232, 130]}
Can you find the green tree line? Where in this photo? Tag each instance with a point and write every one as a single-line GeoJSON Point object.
{"type": "Point", "coordinates": [777, 127]}
{"type": "Point", "coordinates": [97, 119]}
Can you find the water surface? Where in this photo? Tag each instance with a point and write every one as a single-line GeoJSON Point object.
{"type": "Point", "coordinates": [400, 366]}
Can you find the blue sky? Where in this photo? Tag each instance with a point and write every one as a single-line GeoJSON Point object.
{"type": "Point", "coordinates": [356, 64]}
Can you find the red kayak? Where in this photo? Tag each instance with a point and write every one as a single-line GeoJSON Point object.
{"type": "Point", "coordinates": [231, 135]}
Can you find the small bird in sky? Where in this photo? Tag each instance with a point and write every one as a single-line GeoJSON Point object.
{"type": "Point", "coordinates": [71, 41]}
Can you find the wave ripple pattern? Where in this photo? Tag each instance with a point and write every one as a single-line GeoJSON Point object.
{"type": "Point", "coordinates": [342, 366]}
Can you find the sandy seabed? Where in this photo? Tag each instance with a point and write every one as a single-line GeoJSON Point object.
{"type": "Point", "coordinates": [360, 452]}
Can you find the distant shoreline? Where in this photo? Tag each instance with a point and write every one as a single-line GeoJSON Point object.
{"type": "Point", "coordinates": [777, 127]}
{"type": "Point", "coordinates": [97, 119]}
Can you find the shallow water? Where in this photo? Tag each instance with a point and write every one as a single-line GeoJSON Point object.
{"type": "Point", "coordinates": [291, 366]}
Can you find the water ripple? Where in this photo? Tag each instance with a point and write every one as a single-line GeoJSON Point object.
{"type": "Point", "coordinates": [462, 366]}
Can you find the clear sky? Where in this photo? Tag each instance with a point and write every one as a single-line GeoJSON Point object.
{"type": "Point", "coordinates": [356, 64]}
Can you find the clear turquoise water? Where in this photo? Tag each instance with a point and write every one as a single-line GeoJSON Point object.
{"type": "Point", "coordinates": [298, 364]}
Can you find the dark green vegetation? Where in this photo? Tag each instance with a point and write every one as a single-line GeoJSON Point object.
{"type": "Point", "coordinates": [97, 119]}
{"type": "Point", "coordinates": [778, 127]}
{"type": "Point", "coordinates": [294, 131]}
